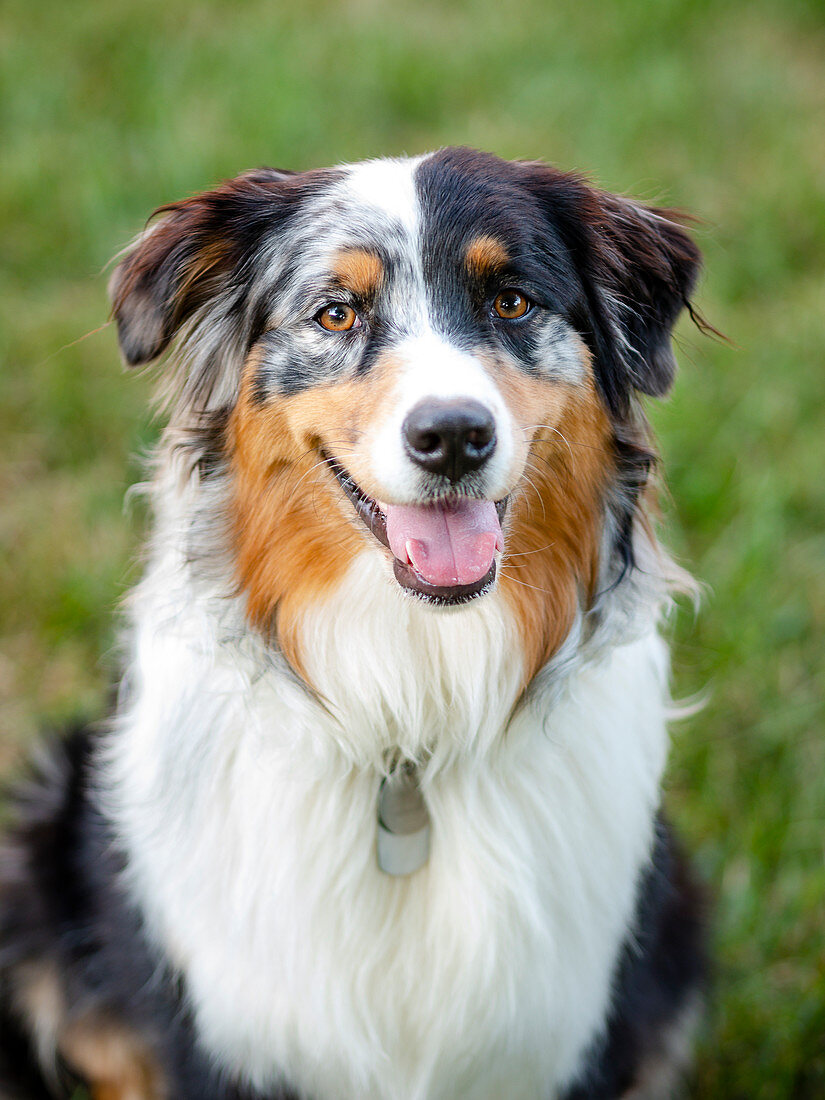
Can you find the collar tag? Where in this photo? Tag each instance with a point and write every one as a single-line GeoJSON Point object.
{"type": "Point", "coordinates": [403, 823]}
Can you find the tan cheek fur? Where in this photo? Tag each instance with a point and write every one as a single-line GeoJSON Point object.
{"type": "Point", "coordinates": [551, 557]}
{"type": "Point", "coordinates": [295, 534]}
{"type": "Point", "coordinates": [114, 1061]}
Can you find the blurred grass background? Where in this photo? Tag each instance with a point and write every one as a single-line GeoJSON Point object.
{"type": "Point", "coordinates": [107, 110]}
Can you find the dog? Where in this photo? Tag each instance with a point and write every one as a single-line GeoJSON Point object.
{"type": "Point", "coordinates": [376, 814]}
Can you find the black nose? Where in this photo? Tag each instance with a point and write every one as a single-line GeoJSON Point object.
{"type": "Point", "coordinates": [449, 437]}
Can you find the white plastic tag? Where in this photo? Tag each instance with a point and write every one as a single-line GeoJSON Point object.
{"type": "Point", "coordinates": [403, 824]}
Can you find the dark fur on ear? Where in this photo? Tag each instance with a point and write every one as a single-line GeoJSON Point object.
{"type": "Point", "coordinates": [645, 266]}
{"type": "Point", "coordinates": [638, 268]}
{"type": "Point", "coordinates": [191, 254]}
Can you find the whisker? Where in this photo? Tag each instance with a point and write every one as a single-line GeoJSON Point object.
{"type": "Point", "coordinates": [525, 553]}
{"type": "Point", "coordinates": [532, 485]}
{"type": "Point", "coordinates": [558, 471]}
{"type": "Point", "coordinates": [562, 476]}
{"type": "Point", "coordinates": [515, 580]}
{"type": "Point", "coordinates": [561, 436]}
{"type": "Point", "coordinates": [301, 480]}
{"type": "Point", "coordinates": [569, 442]}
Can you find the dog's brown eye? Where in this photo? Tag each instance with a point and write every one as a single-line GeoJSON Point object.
{"type": "Point", "coordinates": [337, 317]}
{"type": "Point", "coordinates": [511, 304]}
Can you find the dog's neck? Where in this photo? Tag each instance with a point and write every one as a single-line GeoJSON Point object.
{"type": "Point", "coordinates": [402, 677]}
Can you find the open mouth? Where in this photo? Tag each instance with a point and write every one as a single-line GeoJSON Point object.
{"type": "Point", "coordinates": [444, 551]}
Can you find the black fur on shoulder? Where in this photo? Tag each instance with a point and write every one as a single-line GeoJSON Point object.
{"type": "Point", "coordinates": [661, 975]}
{"type": "Point", "coordinates": [20, 1075]}
{"type": "Point", "coordinates": [63, 914]}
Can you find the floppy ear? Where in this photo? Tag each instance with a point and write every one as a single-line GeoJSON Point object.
{"type": "Point", "coordinates": [643, 268]}
{"type": "Point", "coordinates": [638, 268]}
{"type": "Point", "coordinates": [158, 285]}
{"type": "Point", "coordinates": [193, 254]}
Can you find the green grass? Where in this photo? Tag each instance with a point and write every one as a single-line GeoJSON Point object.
{"type": "Point", "coordinates": [107, 110]}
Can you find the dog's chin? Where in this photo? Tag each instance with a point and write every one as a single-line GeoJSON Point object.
{"type": "Point", "coordinates": [442, 596]}
{"type": "Point", "coordinates": [406, 575]}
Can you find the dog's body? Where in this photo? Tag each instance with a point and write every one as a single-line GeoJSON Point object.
{"type": "Point", "coordinates": [399, 530]}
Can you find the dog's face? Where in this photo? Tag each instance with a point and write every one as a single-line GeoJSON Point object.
{"type": "Point", "coordinates": [429, 360]}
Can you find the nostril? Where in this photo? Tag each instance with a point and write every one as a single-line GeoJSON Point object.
{"type": "Point", "coordinates": [481, 436]}
{"type": "Point", "coordinates": [449, 437]}
{"type": "Point", "coordinates": [425, 441]}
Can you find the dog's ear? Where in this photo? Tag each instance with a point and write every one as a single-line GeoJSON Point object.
{"type": "Point", "coordinates": [192, 254]}
{"type": "Point", "coordinates": [644, 269]}
{"type": "Point", "coordinates": [638, 267]}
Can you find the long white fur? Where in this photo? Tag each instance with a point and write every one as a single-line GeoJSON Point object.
{"type": "Point", "coordinates": [248, 811]}
{"type": "Point", "coordinates": [247, 808]}
{"type": "Point", "coordinates": [387, 185]}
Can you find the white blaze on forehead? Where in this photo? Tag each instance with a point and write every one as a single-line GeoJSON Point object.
{"type": "Point", "coordinates": [376, 198]}
{"type": "Point", "coordinates": [432, 367]}
{"type": "Point", "coordinates": [384, 199]}
{"type": "Point", "coordinates": [389, 186]}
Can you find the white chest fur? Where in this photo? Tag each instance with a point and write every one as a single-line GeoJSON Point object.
{"type": "Point", "coordinates": [249, 814]}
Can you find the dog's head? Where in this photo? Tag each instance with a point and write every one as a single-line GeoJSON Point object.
{"type": "Point", "coordinates": [435, 361]}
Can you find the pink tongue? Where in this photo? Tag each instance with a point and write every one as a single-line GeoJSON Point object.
{"type": "Point", "coordinates": [446, 544]}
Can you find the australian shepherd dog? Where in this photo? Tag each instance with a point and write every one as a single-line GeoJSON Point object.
{"type": "Point", "coordinates": [376, 814]}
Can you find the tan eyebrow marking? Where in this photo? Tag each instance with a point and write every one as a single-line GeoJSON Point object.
{"type": "Point", "coordinates": [359, 270]}
{"type": "Point", "coordinates": [485, 256]}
